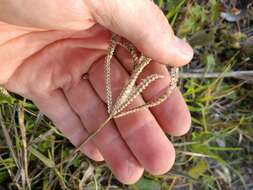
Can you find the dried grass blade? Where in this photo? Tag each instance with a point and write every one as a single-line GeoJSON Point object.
{"type": "Point", "coordinates": [24, 169]}
{"type": "Point", "coordinates": [9, 141]}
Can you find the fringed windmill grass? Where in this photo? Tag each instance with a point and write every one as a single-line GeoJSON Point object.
{"type": "Point", "coordinates": [130, 91]}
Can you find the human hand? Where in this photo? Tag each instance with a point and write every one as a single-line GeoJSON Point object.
{"type": "Point", "coordinates": [47, 55]}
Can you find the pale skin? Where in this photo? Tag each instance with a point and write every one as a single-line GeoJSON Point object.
{"type": "Point", "coordinates": [47, 47]}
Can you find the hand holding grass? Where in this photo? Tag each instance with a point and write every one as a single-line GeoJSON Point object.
{"type": "Point", "coordinates": [47, 55]}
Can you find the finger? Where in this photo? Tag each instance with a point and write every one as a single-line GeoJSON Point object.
{"type": "Point", "coordinates": [47, 14]}
{"type": "Point", "coordinates": [9, 32]}
{"type": "Point", "coordinates": [17, 49]}
{"type": "Point", "coordinates": [92, 112]}
{"type": "Point", "coordinates": [144, 24]}
{"type": "Point", "coordinates": [56, 107]}
{"type": "Point", "coordinates": [139, 130]}
{"type": "Point", "coordinates": [75, 54]}
{"type": "Point", "coordinates": [173, 114]}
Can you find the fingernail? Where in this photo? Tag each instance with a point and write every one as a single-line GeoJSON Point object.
{"type": "Point", "coordinates": [183, 48]}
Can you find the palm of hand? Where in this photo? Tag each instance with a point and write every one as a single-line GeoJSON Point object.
{"type": "Point", "coordinates": [51, 66]}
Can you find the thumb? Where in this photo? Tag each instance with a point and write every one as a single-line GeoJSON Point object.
{"type": "Point", "coordinates": [144, 24]}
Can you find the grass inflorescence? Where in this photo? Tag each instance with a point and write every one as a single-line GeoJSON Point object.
{"type": "Point", "coordinates": [130, 91]}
